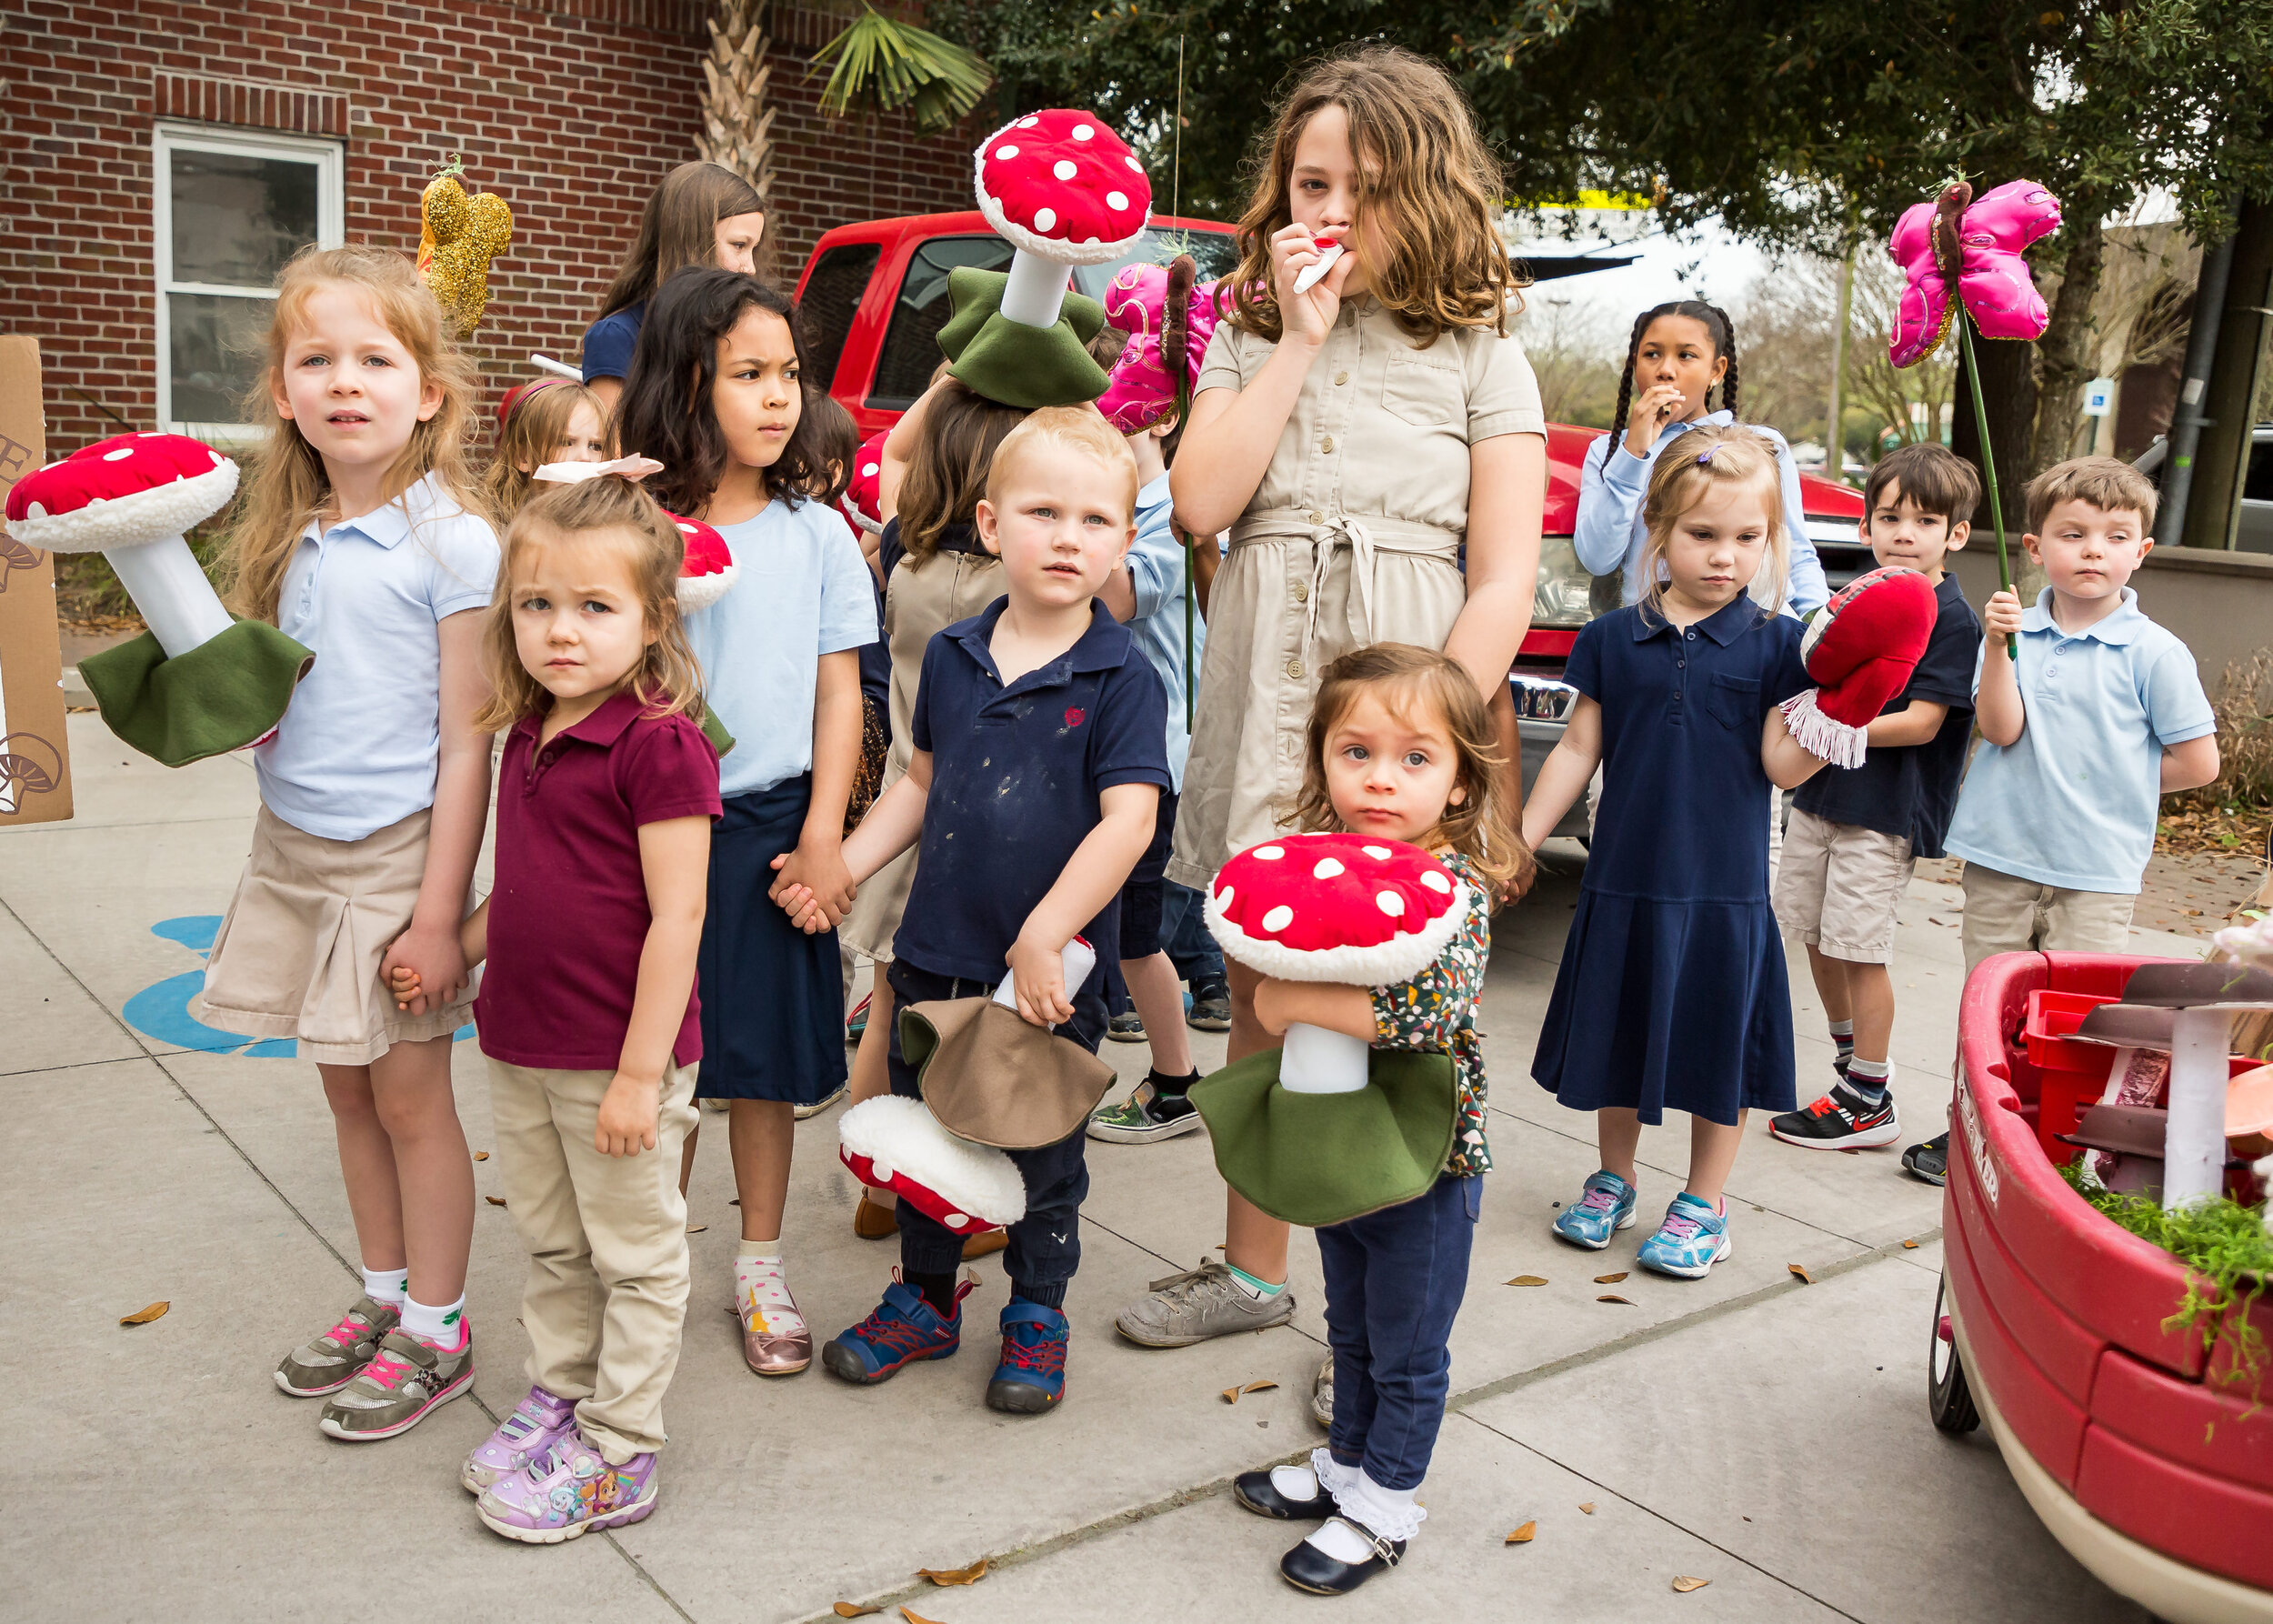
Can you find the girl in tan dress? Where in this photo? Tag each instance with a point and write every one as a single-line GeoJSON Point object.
{"type": "Point", "coordinates": [1352, 437]}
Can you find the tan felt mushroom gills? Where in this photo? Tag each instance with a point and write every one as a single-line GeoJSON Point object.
{"type": "Point", "coordinates": [1348, 909]}
{"type": "Point", "coordinates": [1066, 191]}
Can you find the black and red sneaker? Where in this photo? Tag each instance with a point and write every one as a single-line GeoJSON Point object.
{"type": "Point", "coordinates": [1840, 1120]}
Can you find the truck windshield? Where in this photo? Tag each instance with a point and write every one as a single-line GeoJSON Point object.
{"type": "Point", "coordinates": [1216, 253]}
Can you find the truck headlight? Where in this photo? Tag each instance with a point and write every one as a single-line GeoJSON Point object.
{"type": "Point", "coordinates": [1564, 585]}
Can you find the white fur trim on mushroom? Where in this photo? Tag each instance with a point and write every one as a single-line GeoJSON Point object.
{"type": "Point", "coordinates": [907, 1150]}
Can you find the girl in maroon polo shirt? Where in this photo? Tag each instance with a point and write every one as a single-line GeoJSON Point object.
{"type": "Point", "coordinates": [587, 1009]}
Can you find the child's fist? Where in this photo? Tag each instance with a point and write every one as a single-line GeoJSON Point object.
{"type": "Point", "coordinates": [2000, 617]}
{"type": "Point", "coordinates": [626, 1124]}
{"type": "Point", "coordinates": [402, 982]}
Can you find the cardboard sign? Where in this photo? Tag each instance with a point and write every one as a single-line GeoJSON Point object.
{"type": "Point", "coordinates": [34, 758]}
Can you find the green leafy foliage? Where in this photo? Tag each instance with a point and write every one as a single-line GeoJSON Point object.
{"type": "Point", "coordinates": [882, 66]}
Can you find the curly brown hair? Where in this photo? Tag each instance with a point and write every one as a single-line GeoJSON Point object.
{"type": "Point", "coordinates": [1411, 681]}
{"type": "Point", "coordinates": [1432, 255]}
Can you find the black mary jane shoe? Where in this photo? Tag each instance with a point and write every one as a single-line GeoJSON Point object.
{"type": "Point", "coordinates": [1307, 1567]}
{"type": "Point", "coordinates": [1255, 1492]}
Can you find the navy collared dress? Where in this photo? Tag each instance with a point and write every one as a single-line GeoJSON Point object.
{"type": "Point", "coordinates": [1672, 994]}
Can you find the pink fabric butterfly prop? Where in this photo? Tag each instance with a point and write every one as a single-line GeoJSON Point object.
{"type": "Point", "coordinates": [1168, 321]}
{"type": "Point", "coordinates": [1977, 244]}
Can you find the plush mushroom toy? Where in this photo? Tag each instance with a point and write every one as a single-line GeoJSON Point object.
{"type": "Point", "coordinates": [200, 682]}
{"type": "Point", "coordinates": [705, 576]}
{"type": "Point", "coordinates": [1327, 1127]}
{"type": "Point", "coordinates": [1066, 191]}
{"type": "Point", "coordinates": [862, 503]}
{"type": "Point", "coordinates": [1860, 648]}
{"type": "Point", "coordinates": [896, 1143]}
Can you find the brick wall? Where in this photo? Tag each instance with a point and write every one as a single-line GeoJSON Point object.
{"type": "Point", "coordinates": [570, 109]}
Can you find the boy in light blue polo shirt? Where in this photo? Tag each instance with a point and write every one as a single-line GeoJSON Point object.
{"type": "Point", "coordinates": [2103, 715]}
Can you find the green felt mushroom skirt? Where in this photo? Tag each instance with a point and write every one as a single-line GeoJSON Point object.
{"type": "Point", "coordinates": [1315, 1159]}
{"type": "Point", "coordinates": [220, 696]}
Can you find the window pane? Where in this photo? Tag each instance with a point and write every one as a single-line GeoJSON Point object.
{"type": "Point", "coordinates": [216, 352]}
{"type": "Point", "coordinates": [238, 216]}
{"type": "Point", "coordinates": [1216, 253]}
{"type": "Point", "coordinates": [911, 344]}
{"type": "Point", "coordinates": [2257, 485]}
{"type": "Point", "coordinates": [832, 296]}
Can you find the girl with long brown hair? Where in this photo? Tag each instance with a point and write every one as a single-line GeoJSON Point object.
{"type": "Point", "coordinates": [1360, 436]}
{"type": "Point", "coordinates": [702, 214]}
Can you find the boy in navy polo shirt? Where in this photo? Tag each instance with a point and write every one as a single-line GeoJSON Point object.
{"type": "Point", "coordinates": [1856, 832]}
{"type": "Point", "coordinates": [1041, 756]}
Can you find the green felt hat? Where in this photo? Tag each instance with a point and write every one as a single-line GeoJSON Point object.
{"type": "Point", "coordinates": [220, 697]}
{"type": "Point", "coordinates": [1315, 1159]}
{"type": "Point", "coordinates": [1010, 362]}
{"type": "Point", "coordinates": [716, 732]}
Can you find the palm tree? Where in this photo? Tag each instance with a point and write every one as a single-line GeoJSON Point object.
{"type": "Point", "coordinates": [736, 121]}
{"type": "Point", "coordinates": [882, 66]}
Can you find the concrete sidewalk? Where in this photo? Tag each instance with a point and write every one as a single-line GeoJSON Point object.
{"type": "Point", "coordinates": [1764, 1434]}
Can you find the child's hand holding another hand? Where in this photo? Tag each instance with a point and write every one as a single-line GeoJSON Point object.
{"type": "Point", "coordinates": [816, 869]}
{"type": "Point", "coordinates": [402, 983]}
{"type": "Point", "coordinates": [627, 1115]}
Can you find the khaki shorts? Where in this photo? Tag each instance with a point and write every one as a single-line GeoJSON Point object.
{"type": "Point", "coordinates": [2006, 914]}
{"type": "Point", "coordinates": [1839, 886]}
{"type": "Point", "coordinates": [298, 952]}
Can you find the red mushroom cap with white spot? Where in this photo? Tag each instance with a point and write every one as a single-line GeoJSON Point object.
{"type": "Point", "coordinates": [709, 569]}
{"type": "Point", "coordinates": [896, 1143]}
{"type": "Point", "coordinates": [863, 500]}
{"type": "Point", "coordinates": [1351, 908]}
{"type": "Point", "coordinates": [1060, 184]}
{"type": "Point", "coordinates": [128, 491]}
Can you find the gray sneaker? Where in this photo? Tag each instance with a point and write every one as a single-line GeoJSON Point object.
{"type": "Point", "coordinates": [338, 1356]}
{"type": "Point", "coordinates": [818, 1106]}
{"type": "Point", "coordinates": [404, 1381]}
{"type": "Point", "coordinates": [1192, 1306]}
{"type": "Point", "coordinates": [1322, 1395]}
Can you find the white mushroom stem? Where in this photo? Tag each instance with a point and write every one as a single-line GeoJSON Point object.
{"type": "Point", "coordinates": [170, 589]}
{"type": "Point", "coordinates": [2194, 1134]}
{"type": "Point", "coordinates": [1316, 1060]}
{"type": "Point", "coordinates": [1078, 960]}
{"type": "Point", "coordinates": [1036, 291]}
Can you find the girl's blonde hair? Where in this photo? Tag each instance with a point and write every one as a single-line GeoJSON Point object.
{"type": "Point", "coordinates": [287, 487]}
{"type": "Point", "coordinates": [1412, 682]}
{"type": "Point", "coordinates": [947, 475]}
{"type": "Point", "coordinates": [529, 431]}
{"type": "Point", "coordinates": [1701, 460]}
{"type": "Point", "coordinates": [667, 681]}
{"type": "Point", "coordinates": [1429, 189]}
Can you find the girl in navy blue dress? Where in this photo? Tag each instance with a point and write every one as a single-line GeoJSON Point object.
{"type": "Point", "coordinates": [1671, 993]}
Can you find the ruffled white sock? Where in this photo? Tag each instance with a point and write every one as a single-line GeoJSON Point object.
{"type": "Point", "coordinates": [761, 1290]}
{"type": "Point", "coordinates": [1395, 1514]}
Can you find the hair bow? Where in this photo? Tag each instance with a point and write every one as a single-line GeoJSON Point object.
{"type": "Point", "coordinates": [633, 468]}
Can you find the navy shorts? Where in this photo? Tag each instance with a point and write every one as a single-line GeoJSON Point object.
{"type": "Point", "coordinates": [772, 996]}
{"type": "Point", "coordinates": [1146, 890]}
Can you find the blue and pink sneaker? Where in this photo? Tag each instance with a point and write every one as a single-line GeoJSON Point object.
{"type": "Point", "coordinates": [566, 1490]}
{"type": "Point", "coordinates": [538, 1423]}
{"type": "Point", "coordinates": [1694, 1236]}
{"type": "Point", "coordinates": [1605, 1206]}
{"type": "Point", "coordinates": [903, 1329]}
{"type": "Point", "coordinates": [1031, 1376]}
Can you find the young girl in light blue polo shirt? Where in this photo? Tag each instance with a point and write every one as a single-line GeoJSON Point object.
{"type": "Point", "coordinates": [361, 537]}
{"type": "Point", "coordinates": [781, 671]}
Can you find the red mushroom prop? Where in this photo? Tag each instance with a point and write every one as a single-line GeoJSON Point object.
{"type": "Point", "coordinates": [134, 497]}
{"type": "Point", "coordinates": [862, 503]}
{"type": "Point", "coordinates": [708, 573]}
{"type": "Point", "coordinates": [1346, 908]}
{"type": "Point", "coordinates": [1860, 648]}
{"type": "Point", "coordinates": [1067, 191]}
{"type": "Point", "coordinates": [896, 1143]}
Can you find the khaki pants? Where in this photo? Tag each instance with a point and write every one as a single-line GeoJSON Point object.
{"type": "Point", "coordinates": [2006, 914]}
{"type": "Point", "coordinates": [606, 1237]}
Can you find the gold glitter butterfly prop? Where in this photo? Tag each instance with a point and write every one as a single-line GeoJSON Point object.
{"type": "Point", "coordinates": [458, 236]}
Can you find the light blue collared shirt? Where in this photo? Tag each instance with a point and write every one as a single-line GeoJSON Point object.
{"type": "Point", "coordinates": [1610, 532]}
{"type": "Point", "coordinates": [358, 748]}
{"type": "Point", "coordinates": [2072, 802]}
{"type": "Point", "coordinates": [1157, 565]}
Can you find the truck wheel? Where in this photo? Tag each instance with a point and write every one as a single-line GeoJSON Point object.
{"type": "Point", "coordinates": [1948, 1397]}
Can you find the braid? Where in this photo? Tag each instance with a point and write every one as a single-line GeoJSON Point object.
{"type": "Point", "coordinates": [1626, 378]}
{"type": "Point", "coordinates": [1726, 345]}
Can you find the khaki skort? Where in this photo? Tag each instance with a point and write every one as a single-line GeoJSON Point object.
{"type": "Point", "coordinates": [1839, 885]}
{"type": "Point", "coordinates": [299, 951]}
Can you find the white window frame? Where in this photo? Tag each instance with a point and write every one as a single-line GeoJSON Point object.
{"type": "Point", "coordinates": [330, 164]}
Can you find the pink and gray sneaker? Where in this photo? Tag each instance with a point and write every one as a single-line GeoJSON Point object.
{"type": "Point", "coordinates": [405, 1381]}
{"type": "Point", "coordinates": [566, 1490]}
{"type": "Point", "coordinates": [332, 1361]}
{"type": "Point", "coordinates": [535, 1425]}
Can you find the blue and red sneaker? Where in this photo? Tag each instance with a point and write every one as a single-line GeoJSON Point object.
{"type": "Point", "coordinates": [1031, 1376]}
{"type": "Point", "coordinates": [903, 1329]}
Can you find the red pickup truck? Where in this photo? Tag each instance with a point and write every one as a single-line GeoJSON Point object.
{"type": "Point", "coordinates": [874, 296]}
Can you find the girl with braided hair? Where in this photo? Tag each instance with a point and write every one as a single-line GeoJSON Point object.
{"type": "Point", "coordinates": [1680, 353]}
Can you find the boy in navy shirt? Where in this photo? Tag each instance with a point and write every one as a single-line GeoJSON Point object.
{"type": "Point", "coordinates": [1040, 757]}
{"type": "Point", "coordinates": [1855, 834]}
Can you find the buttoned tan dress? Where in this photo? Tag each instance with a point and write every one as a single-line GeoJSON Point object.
{"type": "Point", "coordinates": [1353, 538]}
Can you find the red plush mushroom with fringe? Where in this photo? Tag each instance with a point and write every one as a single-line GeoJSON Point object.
{"type": "Point", "coordinates": [1861, 648]}
{"type": "Point", "coordinates": [708, 573]}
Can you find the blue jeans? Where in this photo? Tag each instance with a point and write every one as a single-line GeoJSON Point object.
{"type": "Point", "coordinates": [1183, 933]}
{"type": "Point", "coordinates": [1045, 1245]}
{"type": "Point", "coordinates": [1394, 1280]}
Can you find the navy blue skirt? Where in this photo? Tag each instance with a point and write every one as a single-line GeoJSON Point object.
{"type": "Point", "coordinates": [1668, 1005]}
{"type": "Point", "coordinates": [772, 996]}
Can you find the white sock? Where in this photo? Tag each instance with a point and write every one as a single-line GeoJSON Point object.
{"type": "Point", "coordinates": [389, 1286]}
{"type": "Point", "coordinates": [1257, 1291]}
{"type": "Point", "coordinates": [761, 1290]}
{"type": "Point", "coordinates": [443, 1326]}
{"type": "Point", "coordinates": [1295, 1482]}
{"type": "Point", "coordinates": [1393, 1513]}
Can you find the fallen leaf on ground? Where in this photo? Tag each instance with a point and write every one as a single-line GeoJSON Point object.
{"type": "Point", "coordinates": [1233, 1394]}
{"type": "Point", "coordinates": [697, 1228]}
{"type": "Point", "coordinates": [144, 1316]}
{"type": "Point", "coordinates": [1523, 1535]}
{"type": "Point", "coordinates": [1587, 1507]}
{"type": "Point", "coordinates": [1805, 1278]}
{"type": "Point", "coordinates": [1612, 1297]}
{"type": "Point", "coordinates": [1685, 1583]}
{"type": "Point", "coordinates": [913, 1617]}
{"type": "Point", "coordinates": [1609, 1279]}
{"type": "Point", "coordinates": [1909, 1246]}
{"type": "Point", "coordinates": [954, 1575]}
{"type": "Point", "coordinates": [495, 1200]}
{"type": "Point", "coordinates": [846, 1609]}
{"type": "Point", "coordinates": [735, 1202]}
{"type": "Point", "coordinates": [481, 1156]}
{"type": "Point", "coordinates": [1528, 1281]}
